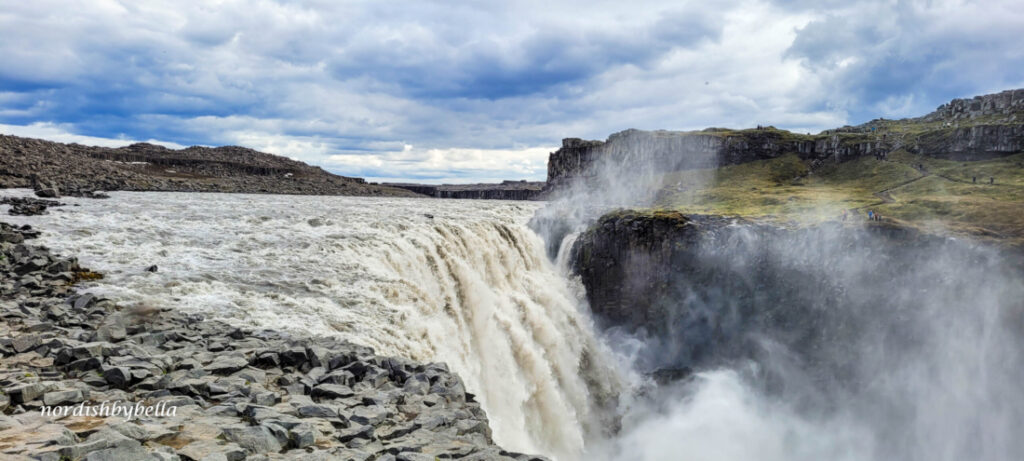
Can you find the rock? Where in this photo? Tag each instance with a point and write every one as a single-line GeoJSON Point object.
{"type": "Point", "coordinates": [226, 365]}
{"type": "Point", "coordinates": [63, 397]}
{"type": "Point", "coordinates": [119, 377]}
{"type": "Point", "coordinates": [49, 192]}
{"type": "Point", "coordinates": [254, 439]}
{"type": "Point", "coordinates": [302, 436]}
{"type": "Point", "coordinates": [132, 431]}
{"type": "Point", "coordinates": [83, 301]}
{"type": "Point", "coordinates": [294, 357]}
{"type": "Point", "coordinates": [331, 391]}
{"type": "Point", "coordinates": [264, 398]}
{"type": "Point", "coordinates": [204, 450]}
{"type": "Point", "coordinates": [152, 268]}
{"type": "Point", "coordinates": [25, 392]}
{"type": "Point", "coordinates": [317, 411]}
{"type": "Point", "coordinates": [400, 430]}
{"type": "Point", "coordinates": [24, 343]}
{"type": "Point", "coordinates": [368, 415]}
{"type": "Point", "coordinates": [355, 432]}
{"type": "Point", "coordinates": [132, 451]}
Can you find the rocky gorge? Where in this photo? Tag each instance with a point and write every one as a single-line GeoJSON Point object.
{"type": "Point", "coordinates": [235, 393]}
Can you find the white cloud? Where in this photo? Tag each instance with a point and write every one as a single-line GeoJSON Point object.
{"type": "Point", "coordinates": [449, 165]}
{"type": "Point", "coordinates": [59, 133]}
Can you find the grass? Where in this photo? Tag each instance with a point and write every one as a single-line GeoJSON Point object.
{"type": "Point", "coordinates": [785, 190]}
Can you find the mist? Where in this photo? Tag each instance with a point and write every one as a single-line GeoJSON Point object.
{"type": "Point", "coordinates": [842, 340]}
{"type": "Point", "coordinates": [627, 170]}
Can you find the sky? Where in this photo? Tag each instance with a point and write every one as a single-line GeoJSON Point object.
{"type": "Point", "coordinates": [478, 91]}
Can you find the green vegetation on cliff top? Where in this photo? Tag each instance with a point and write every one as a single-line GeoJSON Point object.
{"type": "Point", "coordinates": [907, 189]}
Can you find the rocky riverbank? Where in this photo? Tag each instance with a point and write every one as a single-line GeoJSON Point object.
{"type": "Point", "coordinates": [215, 392]}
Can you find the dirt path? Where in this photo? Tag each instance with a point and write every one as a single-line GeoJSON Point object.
{"type": "Point", "coordinates": [884, 195]}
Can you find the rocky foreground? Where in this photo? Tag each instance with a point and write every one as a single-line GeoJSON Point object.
{"type": "Point", "coordinates": [217, 392]}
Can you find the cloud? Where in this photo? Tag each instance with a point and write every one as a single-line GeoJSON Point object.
{"type": "Point", "coordinates": [61, 134]}
{"type": "Point", "coordinates": [452, 165]}
{"type": "Point", "coordinates": [905, 59]}
{"type": "Point", "coordinates": [314, 79]}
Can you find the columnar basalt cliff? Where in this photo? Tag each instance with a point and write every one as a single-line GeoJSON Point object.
{"type": "Point", "coordinates": [506, 190]}
{"type": "Point", "coordinates": [76, 169]}
{"type": "Point", "coordinates": [964, 129]}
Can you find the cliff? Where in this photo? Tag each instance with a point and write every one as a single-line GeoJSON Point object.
{"type": "Point", "coordinates": [984, 127]}
{"type": "Point", "coordinates": [704, 289]}
{"type": "Point", "coordinates": [75, 169]}
{"type": "Point", "coordinates": [506, 190]}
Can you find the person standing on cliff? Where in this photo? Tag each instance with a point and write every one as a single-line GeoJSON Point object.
{"type": "Point", "coordinates": [871, 215]}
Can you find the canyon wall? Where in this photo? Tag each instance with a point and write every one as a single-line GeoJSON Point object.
{"type": "Point", "coordinates": [704, 287]}
{"type": "Point", "coordinates": [965, 129]}
{"type": "Point", "coordinates": [506, 190]}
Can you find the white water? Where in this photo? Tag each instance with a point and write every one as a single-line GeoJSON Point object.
{"type": "Point", "coordinates": [470, 286]}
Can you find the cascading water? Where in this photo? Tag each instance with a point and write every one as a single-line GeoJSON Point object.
{"type": "Point", "coordinates": [464, 282]}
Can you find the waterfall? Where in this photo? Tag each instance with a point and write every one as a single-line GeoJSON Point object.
{"type": "Point", "coordinates": [492, 305]}
{"type": "Point", "coordinates": [461, 282]}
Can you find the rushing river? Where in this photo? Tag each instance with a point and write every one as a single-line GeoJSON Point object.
{"type": "Point", "coordinates": [459, 281]}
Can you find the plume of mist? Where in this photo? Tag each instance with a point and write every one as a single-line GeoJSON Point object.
{"type": "Point", "coordinates": [836, 343]}
{"type": "Point", "coordinates": [847, 341]}
{"type": "Point", "coordinates": [628, 170]}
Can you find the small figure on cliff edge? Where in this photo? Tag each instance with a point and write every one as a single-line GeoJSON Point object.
{"type": "Point", "coordinates": [991, 180]}
{"type": "Point", "coordinates": [974, 179]}
{"type": "Point", "coordinates": [871, 215]}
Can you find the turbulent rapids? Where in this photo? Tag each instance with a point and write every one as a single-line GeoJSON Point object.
{"type": "Point", "coordinates": [464, 282]}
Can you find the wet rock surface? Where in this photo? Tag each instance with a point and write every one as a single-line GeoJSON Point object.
{"type": "Point", "coordinates": [707, 290]}
{"type": "Point", "coordinates": [213, 391]}
{"type": "Point", "coordinates": [27, 206]}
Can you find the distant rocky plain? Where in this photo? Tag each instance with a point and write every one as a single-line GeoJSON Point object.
{"type": "Point", "coordinates": [265, 395]}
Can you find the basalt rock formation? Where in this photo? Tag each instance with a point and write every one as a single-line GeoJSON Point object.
{"type": "Point", "coordinates": [964, 129]}
{"type": "Point", "coordinates": [707, 289]}
{"type": "Point", "coordinates": [506, 190]}
{"type": "Point", "coordinates": [73, 169]}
